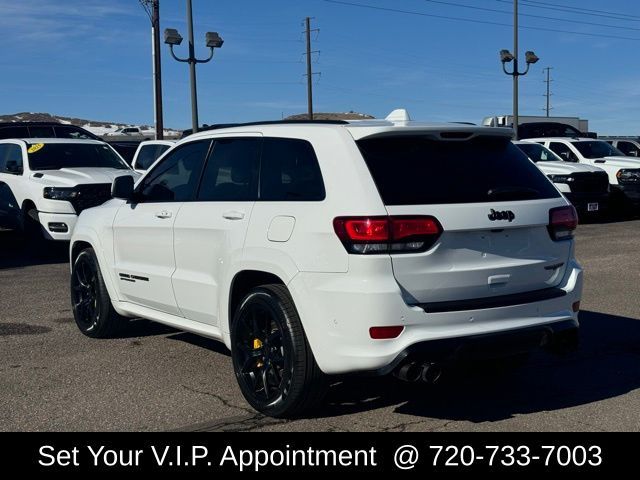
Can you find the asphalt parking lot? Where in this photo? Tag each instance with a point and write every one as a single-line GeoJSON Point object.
{"type": "Point", "coordinates": [156, 378]}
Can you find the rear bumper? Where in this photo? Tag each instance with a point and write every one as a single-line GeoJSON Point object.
{"type": "Point", "coordinates": [337, 311]}
{"type": "Point", "coordinates": [561, 336]}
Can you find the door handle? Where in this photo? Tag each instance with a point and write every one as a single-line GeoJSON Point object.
{"type": "Point", "coordinates": [164, 214]}
{"type": "Point", "coordinates": [233, 215]}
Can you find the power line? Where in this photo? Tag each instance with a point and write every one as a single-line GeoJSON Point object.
{"type": "Point", "coordinates": [621, 14]}
{"type": "Point", "coordinates": [543, 17]}
{"type": "Point", "coordinates": [469, 20]}
{"type": "Point", "coordinates": [576, 10]}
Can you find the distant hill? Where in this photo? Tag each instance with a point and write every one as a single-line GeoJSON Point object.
{"type": "Point", "coordinates": [96, 127]}
{"type": "Point", "coordinates": [332, 116]}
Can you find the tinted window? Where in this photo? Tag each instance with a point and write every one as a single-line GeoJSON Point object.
{"type": "Point", "coordinates": [54, 156]}
{"type": "Point", "coordinates": [231, 173]}
{"type": "Point", "coordinates": [175, 178]}
{"type": "Point", "coordinates": [416, 170]}
{"type": "Point", "coordinates": [547, 129]}
{"type": "Point", "coordinates": [537, 152]}
{"type": "Point", "coordinates": [596, 149]}
{"type": "Point", "coordinates": [41, 132]}
{"type": "Point", "coordinates": [14, 132]}
{"type": "Point", "coordinates": [149, 154]}
{"type": "Point", "coordinates": [10, 153]}
{"type": "Point", "coordinates": [563, 151]}
{"type": "Point", "coordinates": [289, 171]}
{"type": "Point", "coordinates": [628, 148]}
{"type": "Point", "coordinates": [74, 132]}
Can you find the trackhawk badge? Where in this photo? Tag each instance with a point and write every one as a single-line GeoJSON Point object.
{"type": "Point", "coordinates": [503, 215]}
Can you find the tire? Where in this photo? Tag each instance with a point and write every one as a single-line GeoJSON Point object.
{"type": "Point", "coordinates": [273, 362]}
{"type": "Point", "coordinates": [31, 226]}
{"type": "Point", "coordinates": [90, 301]}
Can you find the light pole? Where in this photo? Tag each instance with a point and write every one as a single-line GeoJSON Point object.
{"type": "Point", "coordinates": [152, 7]}
{"type": "Point", "coordinates": [212, 39]}
{"type": "Point", "coordinates": [506, 56]}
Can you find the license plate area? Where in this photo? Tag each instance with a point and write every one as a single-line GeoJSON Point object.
{"type": "Point", "coordinates": [593, 207]}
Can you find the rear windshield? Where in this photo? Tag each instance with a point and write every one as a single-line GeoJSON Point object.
{"type": "Point", "coordinates": [538, 153]}
{"type": "Point", "coordinates": [597, 149]}
{"type": "Point", "coordinates": [54, 156]}
{"type": "Point", "coordinates": [416, 170]}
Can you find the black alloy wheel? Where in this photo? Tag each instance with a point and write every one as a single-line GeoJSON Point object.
{"type": "Point", "coordinates": [263, 363]}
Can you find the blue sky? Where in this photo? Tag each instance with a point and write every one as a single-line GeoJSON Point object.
{"type": "Point", "coordinates": [91, 59]}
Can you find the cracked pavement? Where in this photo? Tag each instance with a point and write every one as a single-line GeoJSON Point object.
{"type": "Point", "coordinates": [157, 378]}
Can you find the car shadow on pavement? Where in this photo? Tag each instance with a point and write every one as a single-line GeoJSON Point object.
{"type": "Point", "coordinates": [16, 251]}
{"type": "Point", "coordinates": [606, 365]}
{"type": "Point", "coordinates": [202, 342]}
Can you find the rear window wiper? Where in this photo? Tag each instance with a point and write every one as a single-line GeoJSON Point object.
{"type": "Point", "coordinates": [513, 193]}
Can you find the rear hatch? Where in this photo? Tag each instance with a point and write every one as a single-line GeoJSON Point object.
{"type": "Point", "coordinates": [492, 203]}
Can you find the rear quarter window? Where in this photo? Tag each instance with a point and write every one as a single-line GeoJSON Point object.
{"type": "Point", "coordinates": [418, 170]}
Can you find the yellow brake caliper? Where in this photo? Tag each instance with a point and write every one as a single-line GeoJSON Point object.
{"type": "Point", "coordinates": [257, 344]}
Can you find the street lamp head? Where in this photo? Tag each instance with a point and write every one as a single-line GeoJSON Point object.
{"type": "Point", "coordinates": [172, 37]}
{"type": "Point", "coordinates": [531, 57]}
{"type": "Point", "coordinates": [213, 40]}
{"type": "Point", "coordinates": [506, 56]}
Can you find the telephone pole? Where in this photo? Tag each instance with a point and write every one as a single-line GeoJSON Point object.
{"type": "Point", "coordinates": [309, 74]}
{"type": "Point", "coordinates": [152, 7]}
{"type": "Point", "coordinates": [548, 94]}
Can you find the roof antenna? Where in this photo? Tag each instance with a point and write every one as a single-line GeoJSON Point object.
{"type": "Point", "coordinates": [398, 115]}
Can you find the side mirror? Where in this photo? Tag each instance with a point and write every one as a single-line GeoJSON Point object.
{"type": "Point", "coordinates": [122, 187]}
{"type": "Point", "coordinates": [13, 167]}
{"type": "Point", "coordinates": [565, 156]}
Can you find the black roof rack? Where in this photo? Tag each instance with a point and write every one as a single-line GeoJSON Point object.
{"type": "Point", "coordinates": [218, 126]}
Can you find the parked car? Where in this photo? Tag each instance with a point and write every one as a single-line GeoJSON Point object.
{"type": "Point", "coordinates": [43, 130]}
{"type": "Point", "coordinates": [46, 183]}
{"type": "Point", "coordinates": [549, 129]}
{"type": "Point", "coordinates": [628, 146]}
{"type": "Point", "coordinates": [623, 172]}
{"type": "Point", "coordinates": [148, 152]}
{"type": "Point", "coordinates": [585, 186]}
{"type": "Point", "coordinates": [132, 131]}
{"type": "Point", "coordinates": [321, 248]}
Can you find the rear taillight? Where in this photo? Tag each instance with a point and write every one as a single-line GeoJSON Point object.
{"type": "Point", "coordinates": [562, 222]}
{"type": "Point", "coordinates": [399, 234]}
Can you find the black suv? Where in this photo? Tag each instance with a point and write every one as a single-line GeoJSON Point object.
{"type": "Point", "coordinates": [43, 130]}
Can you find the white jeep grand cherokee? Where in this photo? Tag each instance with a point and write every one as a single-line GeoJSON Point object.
{"type": "Point", "coordinates": [320, 248]}
{"type": "Point", "coordinates": [45, 183]}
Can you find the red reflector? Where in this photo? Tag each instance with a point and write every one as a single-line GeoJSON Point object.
{"type": "Point", "coordinates": [374, 229]}
{"type": "Point", "coordinates": [408, 227]}
{"type": "Point", "coordinates": [563, 217]}
{"type": "Point", "coordinates": [381, 333]}
{"type": "Point", "coordinates": [576, 306]}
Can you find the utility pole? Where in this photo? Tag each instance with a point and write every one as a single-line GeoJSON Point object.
{"type": "Point", "coordinates": [309, 74]}
{"type": "Point", "coordinates": [152, 7]}
{"type": "Point", "coordinates": [515, 69]}
{"type": "Point", "coordinates": [548, 94]}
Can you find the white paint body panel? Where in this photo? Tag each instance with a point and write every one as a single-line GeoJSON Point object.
{"type": "Point", "coordinates": [192, 259]}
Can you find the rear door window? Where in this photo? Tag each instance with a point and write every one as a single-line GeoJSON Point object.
{"type": "Point", "coordinates": [418, 170]}
{"type": "Point", "coordinates": [231, 173]}
{"type": "Point", "coordinates": [289, 170]}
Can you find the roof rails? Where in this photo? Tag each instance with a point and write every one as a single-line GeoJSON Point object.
{"type": "Point", "coordinates": [218, 126]}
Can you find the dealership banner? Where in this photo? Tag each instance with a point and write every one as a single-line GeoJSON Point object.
{"type": "Point", "coordinates": [403, 454]}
